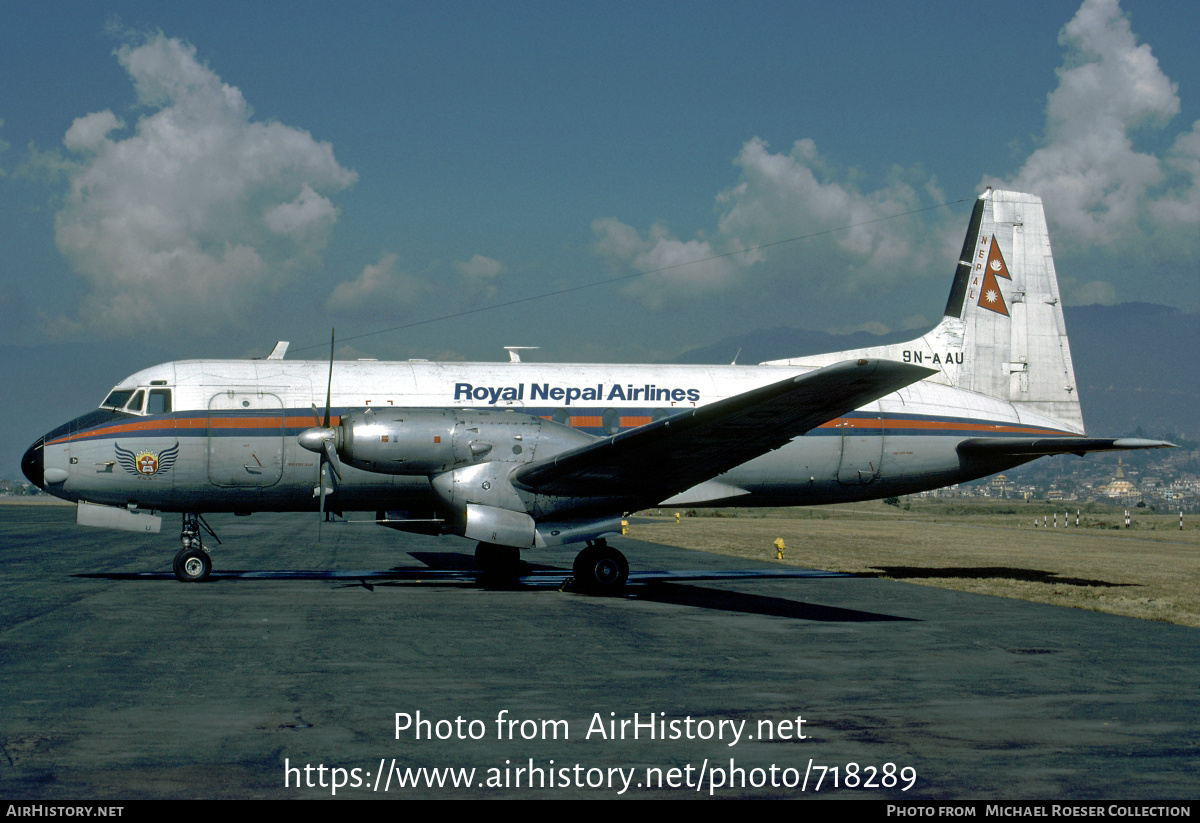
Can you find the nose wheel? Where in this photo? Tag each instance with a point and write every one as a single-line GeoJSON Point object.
{"type": "Point", "coordinates": [192, 563]}
{"type": "Point", "coordinates": [600, 569]}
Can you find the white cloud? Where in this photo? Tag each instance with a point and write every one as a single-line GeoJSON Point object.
{"type": "Point", "coordinates": [306, 217]}
{"type": "Point", "coordinates": [1099, 190]}
{"type": "Point", "coordinates": [676, 269]}
{"type": "Point", "coordinates": [850, 239]}
{"type": "Point", "coordinates": [380, 292]}
{"type": "Point", "coordinates": [197, 215]}
{"type": "Point", "coordinates": [1104, 198]}
{"type": "Point", "coordinates": [90, 132]}
{"type": "Point", "coordinates": [479, 283]}
{"type": "Point", "coordinates": [479, 267]}
{"type": "Point", "coordinates": [1181, 206]}
{"type": "Point", "coordinates": [1086, 294]}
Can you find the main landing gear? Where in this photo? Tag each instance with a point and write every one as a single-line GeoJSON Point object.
{"type": "Point", "coordinates": [192, 563]}
{"type": "Point", "coordinates": [498, 563]}
{"type": "Point", "coordinates": [600, 569]}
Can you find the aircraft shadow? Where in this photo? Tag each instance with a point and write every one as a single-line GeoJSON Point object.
{"type": "Point", "coordinates": [722, 600]}
{"type": "Point", "coordinates": [459, 570]}
{"type": "Point", "coordinates": [679, 594]}
{"type": "Point", "coordinates": [987, 573]}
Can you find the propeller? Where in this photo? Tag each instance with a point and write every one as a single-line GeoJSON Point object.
{"type": "Point", "coordinates": [322, 439]}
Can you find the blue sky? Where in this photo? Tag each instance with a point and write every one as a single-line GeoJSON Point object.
{"type": "Point", "coordinates": [204, 179]}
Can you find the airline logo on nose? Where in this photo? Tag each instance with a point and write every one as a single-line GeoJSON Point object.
{"type": "Point", "coordinates": [146, 463]}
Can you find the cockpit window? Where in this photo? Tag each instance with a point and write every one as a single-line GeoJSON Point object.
{"type": "Point", "coordinates": [116, 399]}
{"type": "Point", "coordinates": [135, 404]}
{"type": "Point", "coordinates": [160, 401]}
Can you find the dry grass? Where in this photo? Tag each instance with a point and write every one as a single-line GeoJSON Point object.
{"type": "Point", "coordinates": [1151, 570]}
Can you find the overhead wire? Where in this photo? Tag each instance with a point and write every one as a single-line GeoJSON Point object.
{"type": "Point", "coordinates": [621, 278]}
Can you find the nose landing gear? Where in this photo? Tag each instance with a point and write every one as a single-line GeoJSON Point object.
{"type": "Point", "coordinates": [192, 563]}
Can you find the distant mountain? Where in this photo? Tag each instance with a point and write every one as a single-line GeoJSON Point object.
{"type": "Point", "coordinates": [1136, 364]}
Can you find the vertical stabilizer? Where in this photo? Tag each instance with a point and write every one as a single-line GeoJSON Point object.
{"type": "Point", "coordinates": [1003, 333]}
{"type": "Point", "coordinates": [1014, 335]}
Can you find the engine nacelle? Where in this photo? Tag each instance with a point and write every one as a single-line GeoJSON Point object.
{"type": "Point", "coordinates": [419, 441]}
{"type": "Point", "coordinates": [398, 441]}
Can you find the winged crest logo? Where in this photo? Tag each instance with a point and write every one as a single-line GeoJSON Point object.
{"type": "Point", "coordinates": [146, 463]}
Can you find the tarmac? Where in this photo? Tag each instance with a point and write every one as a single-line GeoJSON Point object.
{"type": "Point", "coordinates": [375, 665]}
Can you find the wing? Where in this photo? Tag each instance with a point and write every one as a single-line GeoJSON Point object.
{"type": "Point", "coordinates": [1041, 446]}
{"type": "Point", "coordinates": [655, 461]}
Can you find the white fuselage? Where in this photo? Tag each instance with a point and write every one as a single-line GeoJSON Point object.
{"type": "Point", "coordinates": [235, 425]}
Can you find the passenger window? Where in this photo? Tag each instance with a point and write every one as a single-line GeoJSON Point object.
{"type": "Point", "coordinates": [116, 399]}
{"type": "Point", "coordinates": [561, 416]}
{"type": "Point", "coordinates": [659, 414]}
{"type": "Point", "coordinates": [160, 401]}
{"type": "Point", "coordinates": [135, 404]}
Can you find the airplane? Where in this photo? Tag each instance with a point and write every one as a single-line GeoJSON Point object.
{"type": "Point", "coordinates": [516, 455]}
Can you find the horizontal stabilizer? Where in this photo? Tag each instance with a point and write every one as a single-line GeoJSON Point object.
{"type": "Point", "coordinates": [1039, 446]}
{"type": "Point", "coordinates": [660, 459]}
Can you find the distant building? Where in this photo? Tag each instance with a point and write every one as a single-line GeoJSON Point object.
{"type": "Point", "coordinates": [1001, 486]}
{"type": "Point", "coordinates": [1119, 488]}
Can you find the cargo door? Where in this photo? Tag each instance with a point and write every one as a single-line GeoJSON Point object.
{"type": "Point", "coordinates": [245, 438]}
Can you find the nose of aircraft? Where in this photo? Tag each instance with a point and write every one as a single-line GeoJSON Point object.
{"type": "Point", "coordinates": [33, 465]}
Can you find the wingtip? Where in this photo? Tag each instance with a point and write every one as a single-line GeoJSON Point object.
{"type": "Point", "coordinates": [1141, 443]}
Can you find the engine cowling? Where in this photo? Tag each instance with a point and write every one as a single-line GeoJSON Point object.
{"type": "Point", "coordinates": [401, 441]}
{"type": "Point", "coordinates": [419, 441]}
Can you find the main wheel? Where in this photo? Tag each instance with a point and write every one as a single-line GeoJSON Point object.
{"type": "Point", "coordinates": [601, 569]}
{"type": "Point", "coordinates": [498, 562]}
{"type": "Point", "coordinates": [192, 565]}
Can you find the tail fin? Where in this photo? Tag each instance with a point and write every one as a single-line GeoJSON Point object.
{"type": "Point", "coordinates": [1003, 333]}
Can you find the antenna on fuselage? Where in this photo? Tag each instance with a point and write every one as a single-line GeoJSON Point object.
{"type": "Point", "coordinates": [513, 357]}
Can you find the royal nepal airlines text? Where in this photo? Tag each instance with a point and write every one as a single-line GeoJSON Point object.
{"type": "Point", "coordinates": [646, 393]}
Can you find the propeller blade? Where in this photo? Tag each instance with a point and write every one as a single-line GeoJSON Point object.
{"type": "Point", "coordinates": [329, 386]}
{"type": "Point", "coordinates": [326, 449]}
{"type": "Point", "coordinates": [330, 454]}
{"type": "Point", "coordinates": [321, 485]}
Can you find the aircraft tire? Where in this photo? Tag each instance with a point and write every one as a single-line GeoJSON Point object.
{"type": "Point", "coordinates": [600, 569]}
{"type": "Point", "coordinates": [192, 566]}
{"type": "Point", "coordinates": [498, 562]}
